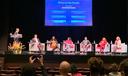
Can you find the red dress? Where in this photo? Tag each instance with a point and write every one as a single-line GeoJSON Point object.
{"type": "Point", "coordinates": [69, 43]}
{"type": "Point", "coordinates": [101, 45]}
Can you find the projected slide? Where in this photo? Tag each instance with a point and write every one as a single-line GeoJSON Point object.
{"type": "Point", "coordinates": [68, 12]}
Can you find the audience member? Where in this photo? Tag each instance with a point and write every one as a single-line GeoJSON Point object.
{"type": "Point", "coordinates": [74, 71]}
{"type": "Point", "coordinates": [30, 69]}
{"type": "Point", "coordinates": [114, 70]}
{"type": "Point", "coordinates": [96, 66]}
{"type": "Point", "coordinates": [124, 67]}
{"type": "Point", "coordinates": [64, 69]}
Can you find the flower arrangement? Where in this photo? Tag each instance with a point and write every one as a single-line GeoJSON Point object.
{"type": "Point", "coordinates": [16, 47]}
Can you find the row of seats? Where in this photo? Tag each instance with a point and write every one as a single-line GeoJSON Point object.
{"type": "Point", "coordinates": [16, 71]}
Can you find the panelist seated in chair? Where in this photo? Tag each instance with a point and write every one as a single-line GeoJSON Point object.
{"type": "Point", "coordinates": [118, 46]}
{"type": "Point", "coordinates": [85, 45]}
{"type": "Point", "coordinates": [118, 43]}
{"type": "Point", "coordinates": [34, 44]}
{"type": "Point", "coordinates": [53, 44]}
{"type": "Point", "coordinates": [103, 46]}
{"type": "Point", "coordinates": [68, 45]}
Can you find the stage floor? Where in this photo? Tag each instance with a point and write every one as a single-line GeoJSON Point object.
{"type": "Point", "coordinates": [53, 60]}
{"type": "Point", "coordinates": [58, 58]}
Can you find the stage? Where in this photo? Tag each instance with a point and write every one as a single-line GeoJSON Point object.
{"type": "Point", "coordinates": [53, 60]}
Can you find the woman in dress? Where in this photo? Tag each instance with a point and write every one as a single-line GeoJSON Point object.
{"type": "Point", "coordinates": [53, 43]}
{"type": "Point", "coordinates": [102, 44]}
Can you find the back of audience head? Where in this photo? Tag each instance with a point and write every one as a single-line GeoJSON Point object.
{"type": "Point", "coordinates": [73, 68]}
{"type": "Point", "coordinates": [28, 70]}
{"type": "Point", "coordinates": [95, 62]}
{"type": "Point", "coordinates": [96, 66]}
{"type": "Point", "coordinates": [74, 71]}
{"type": "Point", "coordinates": [124, 67]}
{"type": "Point", "coordinates": [64, 68]}
{"type": "Point", "coordinates": [114, 67]}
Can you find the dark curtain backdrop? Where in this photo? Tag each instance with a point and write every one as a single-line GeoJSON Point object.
{"type": "Point", "coordinates": [127, 18]}
{"type": "Point", "coordinates": [4, 24]}
{"type": "Point", "coordinates": [109, 20]}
